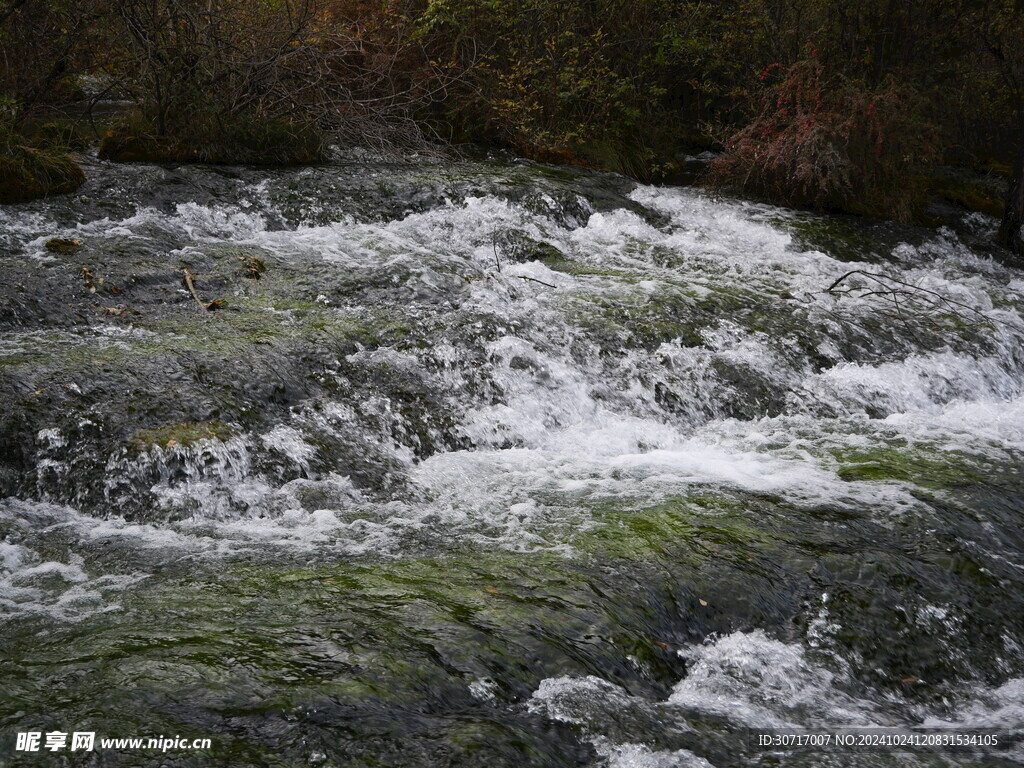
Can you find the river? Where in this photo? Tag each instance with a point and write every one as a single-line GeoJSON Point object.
{"type": "Point", "coordinates": [490, 463]}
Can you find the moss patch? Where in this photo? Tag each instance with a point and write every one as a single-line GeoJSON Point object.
{"type": "Point", "coordinates": [63, 245]}
{"type": "Point", "coordinates": [985, 193]}
{"type": "Point", "coordinates": [691, 528]}
{"type": "Point", "coordinates": [842, 238]}
{"type": "Point", "coordinates": [181, 434]}
{"type": "Point", "coordinates": [558, 263]}
{"type": "Point", "coordinates": [647, 321]}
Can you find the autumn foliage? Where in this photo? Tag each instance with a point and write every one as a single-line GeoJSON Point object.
{"type": "Point", "coordinates": [829, 143]}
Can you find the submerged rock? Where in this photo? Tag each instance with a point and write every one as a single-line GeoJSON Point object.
{"type": "Point", "coordinates": [183, 434]}
{"type": "Point", "coordinates": [981, 192]}
{"type": "Point", "coordinates": [63, 245]}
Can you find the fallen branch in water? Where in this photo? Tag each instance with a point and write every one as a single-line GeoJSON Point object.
{"type": "Point", "coordinates": [190, 277]}
{"type": "Point", "coordinates": [497, 260]}
{"type": "Point", "coordinates": [534, 280]}
{"type": "Point", "coordinates": [897, 291]}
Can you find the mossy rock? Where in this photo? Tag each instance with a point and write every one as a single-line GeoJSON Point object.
{"type": "Point", "coordinates": [627, 156]}
{"type": "Point", "coordinates": [244, 142]}
{"type": "Point", "coordinates": [639, 320]}
{"type": "Point", "coordinates": [994, 167]}
{"type": "Point", "coordinates": [519, 248]}
{"type": "Point", "coordinates": [559, 263]}
{"type": "Point", "coordinates": [984, 193]}
{"type": "Point", "coordinates": [688, 528]}
{"type": "Point", "coordinates": [841, 237]}
{"type": "Point", "coordinates": [180, 434]}
{"type": "Point", "coordinates": [27, 173]}
{"type": "Point", "coordinates": [63, 245]}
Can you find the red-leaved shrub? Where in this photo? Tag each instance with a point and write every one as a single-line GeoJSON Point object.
{"type": "Point", "coordinates": [831, 144]}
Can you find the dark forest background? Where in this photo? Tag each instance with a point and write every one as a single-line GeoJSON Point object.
{"type": "Point", "coordinates": [845, 105]}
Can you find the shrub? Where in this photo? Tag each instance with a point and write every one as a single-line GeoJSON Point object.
{"type": "Point", "coordinates": [831, 144]}
{"type": "Point", "coordinates": [214, 79]}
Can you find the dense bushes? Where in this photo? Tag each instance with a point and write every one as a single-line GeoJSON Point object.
{"type": "Point", "coordinates": [248, 81]}
{"type": "Point", "coordinates": [629, 85]}
{"type": "Point", "coordinates": [211, 77]}
{"type": "Point", "coordinates": [578, 81]}
{"type": "Point", "coordinates": [830, 143]}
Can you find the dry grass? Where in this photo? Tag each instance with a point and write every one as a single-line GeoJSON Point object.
{"type": "Point", "coordinates": [28, 172]}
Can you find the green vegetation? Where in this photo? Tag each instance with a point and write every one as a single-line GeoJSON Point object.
{"type": "Point", "coordinates": [642, 320]}
{"type": "Point", "coordinates": [62, 133]}
{"type": "Point", "coordinates": [691, 529]}
{"type": "Point", "coordinates": [927, 469]}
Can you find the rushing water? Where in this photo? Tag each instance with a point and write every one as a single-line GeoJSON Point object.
{"type": "Point", "coordinates": [498, 464]}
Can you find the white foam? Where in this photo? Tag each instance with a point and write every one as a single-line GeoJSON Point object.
{"type": "Point", "coordinates": [752, 681]}
{"type": "Point", "coordinates": [640, 756]}
{"type": "Point", "coordinates": [755, 680]}
{"type": "Point", "coordinates": [32, 585]}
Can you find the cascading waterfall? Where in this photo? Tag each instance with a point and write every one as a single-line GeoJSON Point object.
{"type": "Point", "coordinates": [497, 462]}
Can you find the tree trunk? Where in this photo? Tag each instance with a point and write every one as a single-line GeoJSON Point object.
{"type": "Point", "coordinates": [1010, 231]}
